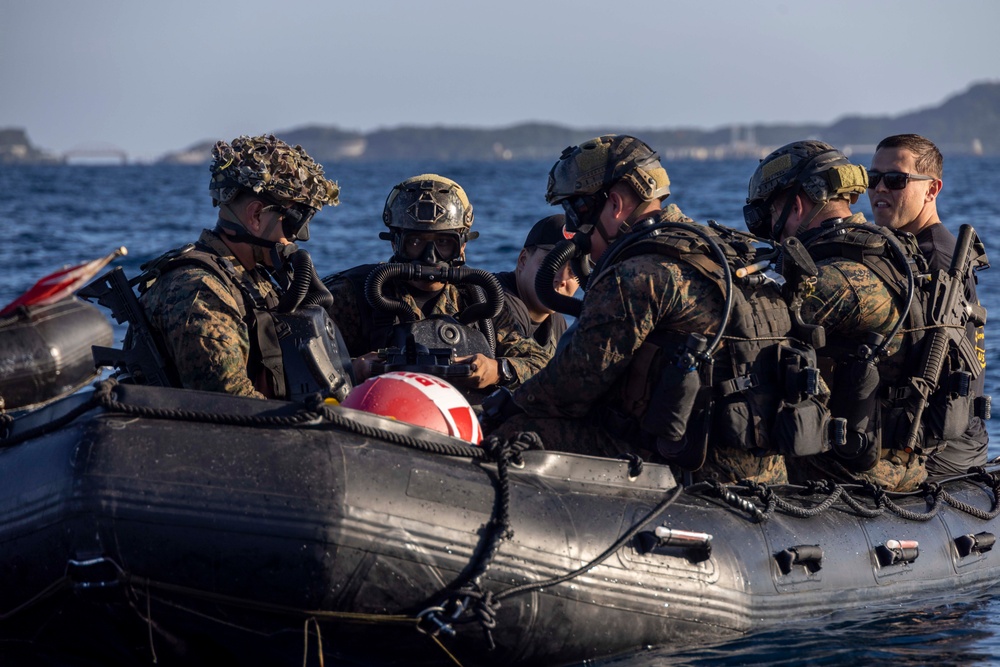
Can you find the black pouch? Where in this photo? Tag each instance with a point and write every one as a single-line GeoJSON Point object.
{"type": "Point", "coordinates": [671, 404]}
{"type": "Point", "coordinates": [802, 418]}
{"type": "Point", "coordinates": [733, 423]}
{"type": "Point", "coordinates": [855, 399]}
{"type": "Point", "coordinates": [947, 417]}
{"type": "Point", "coordinates": [743, 421]}
{"type": "Point", "coordinates": [800, 429]}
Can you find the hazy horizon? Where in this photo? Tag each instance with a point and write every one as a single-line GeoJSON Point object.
{"type": "Point", "coordinates": [151, 79]}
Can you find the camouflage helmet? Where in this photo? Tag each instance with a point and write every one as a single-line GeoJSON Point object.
{"type": "Point", "coordinates": [428, 202]}
{"type": "Point", "coordinates": [822, 171]}
{"type": "Point", "coordinates": [596, 165]}
{"type": "Point", "coordinates": [269, 167]}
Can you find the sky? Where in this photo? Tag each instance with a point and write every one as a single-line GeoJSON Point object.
{"type": "Point", "coordinates": [153, 77]}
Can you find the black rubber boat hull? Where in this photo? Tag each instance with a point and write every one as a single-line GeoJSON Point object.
{"type": "Point", "coordinates": [126, 539]}
{"type": "Point", "coordinates": [45, 351]}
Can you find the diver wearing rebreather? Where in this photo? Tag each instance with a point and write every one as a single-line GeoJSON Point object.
{"type": "Point", "coordinates": [659, 288]}
{"type": "Point", "coordinates": [213, 304]}
{"type": "Point", "coordinates": [859, 291]}
{"type": "Point", "coordinates": [429, 219]}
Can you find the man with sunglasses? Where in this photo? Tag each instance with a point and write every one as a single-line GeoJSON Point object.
{"type": "Point", "coordinates": [617, 385]}
{"type": "Point", "coordinates": [211, 303]}
{"type": "Point", "coordinates": [903, 186]}
{"type": "Point", "coordinates": [852, 282]}
{"type": "Point", "coordinates": [429, 219]}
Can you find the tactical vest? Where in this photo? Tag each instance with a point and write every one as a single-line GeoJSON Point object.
{"type": "Point", "coordinates": [755, 383]}
{"type": "Point", "coordinates": [279, 342]}
{"type": "Point", "coordinates": [890, 408]}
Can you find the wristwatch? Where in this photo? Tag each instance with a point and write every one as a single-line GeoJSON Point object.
{"type": "Point", "coordinates": [505, 371]}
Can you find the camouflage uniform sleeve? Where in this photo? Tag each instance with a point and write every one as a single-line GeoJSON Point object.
{"type": "Point", "coordinates": [525, 354]}
{"type": "Point", "coordinates": [673, 213]}
{"type": "Point", "coordinates": [203, 331]}
{"type": "Point", "coordinates": [850, 300]}
{"type": "Point", "coordinates": [620, 310]}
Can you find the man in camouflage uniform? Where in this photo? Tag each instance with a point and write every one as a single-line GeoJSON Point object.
{"type": "Point", "coordinates": [801, 194]}
{"type": "Point", "coordinates": [531, 318]}
{"type": "Point", "coordinates": [593, 396]}
{"type": "Point", "coordinates": [210, 320]}
{"type": "Point", "coordinates": [429, 219]}
{"type": "Point", "coordinates": [904, 183]}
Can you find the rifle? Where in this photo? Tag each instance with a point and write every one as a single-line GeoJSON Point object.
{"type": "Point", "coordinates": [144, 361]}
{"type": "Point", "coordinates": [949, 312]}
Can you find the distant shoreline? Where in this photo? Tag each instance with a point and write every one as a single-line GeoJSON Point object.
{"type": "Point", "coordinates": [967, 123]}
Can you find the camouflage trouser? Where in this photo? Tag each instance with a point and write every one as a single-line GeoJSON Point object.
{"type": "Point", "coordinates": [898, 472]}
{"type": "Point", "coordinates": [584, 437]}
{"type": "Point", "coordinates": [731, 465]}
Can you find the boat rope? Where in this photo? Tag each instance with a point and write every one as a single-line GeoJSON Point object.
{"type": "Point", "coordinates": [474, 604]}
{"type": "Point", "coordinates": [333, 415]}
{"type": "Point", "coordinates": [467, 594]}
{"type": "Point", "coordinates": [727, 493]}
{"type": "Point", "coordinates": [55, 587]}
{"type": "Point", "coordinates": [742, 496]}
{"type": "Point", "coordinates": [627, 537]}
{"type": "Point", "coordinates": [309, 414]}
{"type": "Point", "coordinates": [982, 475]}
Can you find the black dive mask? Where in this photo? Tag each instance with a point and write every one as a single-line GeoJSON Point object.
{"type": "Point", "coordinates": [430, 248]}
{"type": "Point", "coordinates": [583, 212]}
{"type": "Point", "coordinates": [757, 216]}
{"type": "Point", "coordinates": [294, 218]}
{"type": "Point", "coordinates": [295, 222]}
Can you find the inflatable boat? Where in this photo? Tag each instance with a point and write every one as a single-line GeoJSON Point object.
{"type": "Point", "coordinates": [45, 350]}
{"type": "Point", "coordinates": [150, 525]}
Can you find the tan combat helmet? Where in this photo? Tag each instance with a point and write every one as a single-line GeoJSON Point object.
{"type": "Point", "coordinates": [584, 174]}
{"type": "Point", "coordinates": [429, 203]}
{"type": "Point", "coordinates": [816, 168]}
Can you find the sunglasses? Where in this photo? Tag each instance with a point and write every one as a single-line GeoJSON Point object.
{"type": "Point", "coordinates": [894, 180]}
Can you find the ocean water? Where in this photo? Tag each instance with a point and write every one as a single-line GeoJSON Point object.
{"type": "Point", "coordinates": [54, 215]}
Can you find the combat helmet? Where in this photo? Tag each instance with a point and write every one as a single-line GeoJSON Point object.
{"type": "Point", "coordinates": [583, 175]}
{"type": "Point", "coordinates": [428, 203]}
{"type": "Point", "coordinates": [816, 168]}
{"type": "Point", "coordinates": [282, 175]}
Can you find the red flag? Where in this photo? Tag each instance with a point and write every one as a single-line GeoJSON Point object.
{"type": "Point", "coordinates": [62, 283]}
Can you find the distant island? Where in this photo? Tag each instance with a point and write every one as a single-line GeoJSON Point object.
{"type": "Point", "coordinates": [965, 124]}
{"type": "Point", "coordinates": [16, 149]}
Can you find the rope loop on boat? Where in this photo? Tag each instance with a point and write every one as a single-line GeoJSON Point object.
{"type": "Point", "coordinates": [978, 474]}
{"type": "Point", "coordinates": [724, 493]}
{"type": "Point", "coordinates": [858, 508]}
{"type": "Point", "coordinates": [833, 494]}
{"type": "Point", "coordinates": [505, 451]}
